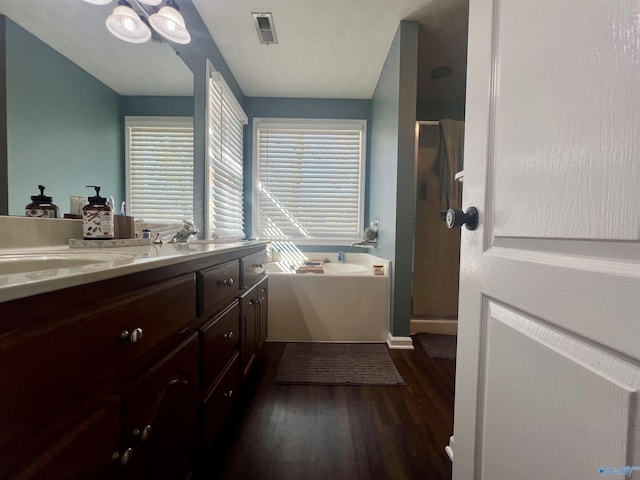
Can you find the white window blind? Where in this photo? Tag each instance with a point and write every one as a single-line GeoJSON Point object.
{"type": "Point", "coordinates": [310, 179]}
{"type": "Point", "coordinates": [159, 164]}
{"type": "Point", "coordinates": [225, 120]}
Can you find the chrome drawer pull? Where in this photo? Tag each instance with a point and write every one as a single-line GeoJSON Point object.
{"type": "Point", "coordinates": [146, 433]}
{"type": "Point", "coordinates": [228, 394]}
{"type": "Point", "coordinates": [136, 335]}
{"type": "Point", "coordinates": [124, 458]}
{"type": "Point", "coordinates": [228, 282]}
{"type": "Point", "coordinates": [259, 265]}
{"type": "Point", "coordinates": [228, 336]}
{"type": "Point", "coordinates": [133, 337]}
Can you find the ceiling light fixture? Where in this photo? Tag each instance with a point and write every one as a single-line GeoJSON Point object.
{"type": "Point", "coordinates": [169, 23]}
{"type": "Point", "coordinates": [127, 24]}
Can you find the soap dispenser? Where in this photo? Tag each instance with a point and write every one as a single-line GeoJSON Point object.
{"type": "Point", "coordinates": [42, 206]}
{"type": "Point", "coordinates": [97, 218]}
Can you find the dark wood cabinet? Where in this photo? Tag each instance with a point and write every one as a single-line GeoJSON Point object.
{"type": "Point", "coordinates": [263, 299]}
{"type": "Point", "coordinates": [217, 287]}
{"type": "Point", "coordinates": [254, 325]}
{"type": "Point", "coordinates": [93, 450]}
{"type": "Point", "coordinates": [161, 417]}
{"type": "Point", "coordinates": [249, 328]}
{"type": "Point", "coordinates": [229, 339]}
{"type": "Point", "coordinates": [219, 341]}
{"type": "Point", "coordinates": [120, 378]}
{"type": "Point", "coordinates": [253, 267]}
{"type": "Point", "coordinates": [218, 402]}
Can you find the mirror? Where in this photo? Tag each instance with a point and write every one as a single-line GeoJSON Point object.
{"type": "Point", "coordinates": [69, 84]}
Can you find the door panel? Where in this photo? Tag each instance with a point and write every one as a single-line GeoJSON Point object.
{"type": "Point", "coordinates": [548, 364]}
{"type": "Point", "coordinates": [566, 119]}
{"type": "Point", "coordinates": [564, 399]}
{"type": "Point", "coordinates": [581, 294]}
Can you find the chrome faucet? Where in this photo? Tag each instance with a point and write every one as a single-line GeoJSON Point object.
{"type": "Point", "coordinates": [183, 235]}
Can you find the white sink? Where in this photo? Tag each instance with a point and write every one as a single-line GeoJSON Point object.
{"type": "Point", "coordinates": [33, 262]}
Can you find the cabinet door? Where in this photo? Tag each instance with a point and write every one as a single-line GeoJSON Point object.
{"type": "Point", "coordinates": [263, 302]}
{"type": "Point", "coordinates": [249, 344]}
{"type": "Point", "coordinates": [218, 403]}
{"type": "Point", "coordinates": [90, 451]}
{"type": "Point", "coordinates": [161, 415]}
{"type": "Point", "coordinates": [71, 356]}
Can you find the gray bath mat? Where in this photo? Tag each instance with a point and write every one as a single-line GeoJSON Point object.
{"type": "Point", "coordinates": [439, 346]}
{"type": "Point", "coordinates": [338, 364]}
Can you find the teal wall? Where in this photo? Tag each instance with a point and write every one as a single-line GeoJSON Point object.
{"type": "Point", "coordinates": [156, 106]}
{"type": "Point", "coordinates": [63, 127]}
{"type": "Point", "coordinates": [391, 193]}
{"type": "Point", "coordinates": [4, 180]}
{"type": "Point", "coordinates": [298, 108]}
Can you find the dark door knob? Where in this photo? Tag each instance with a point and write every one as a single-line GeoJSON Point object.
{"type": "Point", "coordinates": [456, 218]}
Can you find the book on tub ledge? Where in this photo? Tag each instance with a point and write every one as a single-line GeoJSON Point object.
{"type": "Point", "coordinates": [311, 266]}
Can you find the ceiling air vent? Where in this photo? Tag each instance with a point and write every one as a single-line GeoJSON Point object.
{"type": "Point", "coordinates": [265, 27]}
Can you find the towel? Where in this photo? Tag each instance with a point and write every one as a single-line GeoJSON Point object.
{"type": "Point", "coordinates": [451, 156]}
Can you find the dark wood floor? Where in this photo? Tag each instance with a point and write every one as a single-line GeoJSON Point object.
{"type": "Point", "coordinates": [340, 432]}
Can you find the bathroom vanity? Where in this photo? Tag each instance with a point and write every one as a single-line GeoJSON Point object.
{"type": "Point", "coordinates": [128, 371]}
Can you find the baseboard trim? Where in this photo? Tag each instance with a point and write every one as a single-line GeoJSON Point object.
{"type": "Point", "coordinates": [399, 343]}
{"type": "Point", "coordinates": [434, 325]}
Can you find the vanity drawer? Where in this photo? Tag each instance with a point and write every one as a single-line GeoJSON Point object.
{"type": "Point", "coordinates": [217, 287]}
{"type": "Point", "coordinates": [219, 340]}
{"type": "Point", "coordinates": [218, 403]}
{"type": "Point", "coordinates": [60, 363]}
{"type": "Point", "coordinates": [253, 267]}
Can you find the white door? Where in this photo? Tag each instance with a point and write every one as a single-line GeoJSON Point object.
{"type": "Point", "coordinates": [548, 372]}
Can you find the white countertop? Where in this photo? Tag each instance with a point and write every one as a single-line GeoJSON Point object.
{"type": "Point", "coordinates": [121, 261]}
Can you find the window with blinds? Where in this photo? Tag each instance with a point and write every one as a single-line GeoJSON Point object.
{"type": "Point", "coordinates": [159, 168]}
{"type": "Point", "coordinates": [309, 178]}
{"type": "Point", "coordinates": [225, 121]}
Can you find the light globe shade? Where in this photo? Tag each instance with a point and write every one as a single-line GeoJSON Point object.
{"type": "Point", "coordinates": [151, 3]}
{"type": "Point", "coordinates": [126, 25]}
{"type": "Point", "coordinates": [169, 23]}
{"type": "Point", "coordinates": [98, 2]}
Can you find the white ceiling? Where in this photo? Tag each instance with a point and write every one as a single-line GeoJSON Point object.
{"type": "Point", "coordinates": [326, 49]}
{"type": "Point", "coordinates": [336, 48]}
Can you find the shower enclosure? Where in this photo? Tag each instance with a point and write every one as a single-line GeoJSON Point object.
{"type": "Point", "coordinates": [436, 259]}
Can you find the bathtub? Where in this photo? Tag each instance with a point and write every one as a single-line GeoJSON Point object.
{"type": "Point", "coordinates": [347, 303]}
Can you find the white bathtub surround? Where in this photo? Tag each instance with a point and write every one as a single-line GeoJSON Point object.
{"type": "Point", "coordinates": [434, 325]}
{"type": "Point", "coordinates": [399, 343]}
{"type": "Point", "coordinates": [332, 307]}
